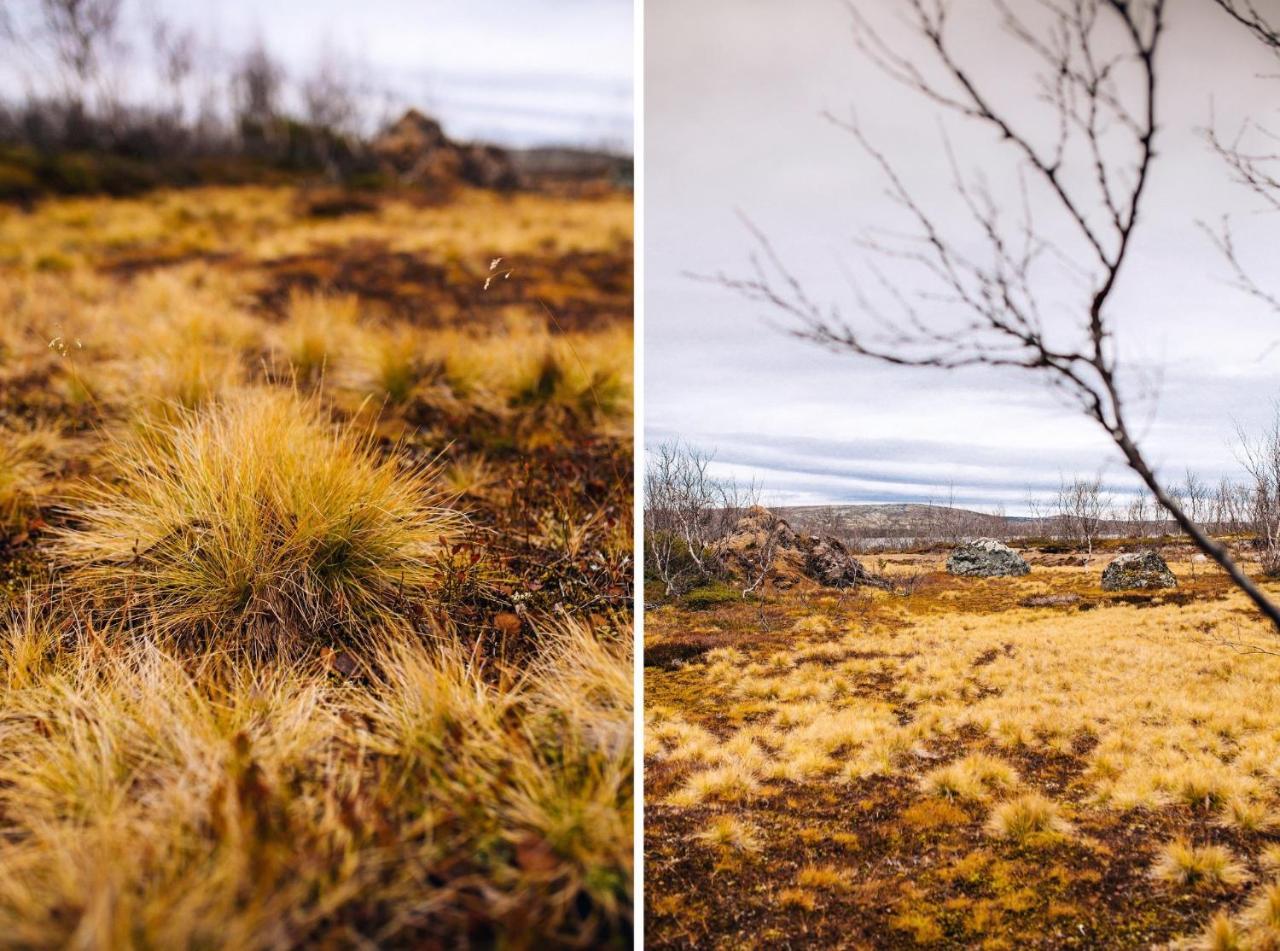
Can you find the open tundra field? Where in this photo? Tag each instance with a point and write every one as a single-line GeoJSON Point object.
{"type": "Point", "coordinates": [1018, 762]}
{"type": "Point", "coordinates": [315, 561]}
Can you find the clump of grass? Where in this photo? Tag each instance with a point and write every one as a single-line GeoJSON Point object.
{"type": "Point", "coordinates": [1028, 820]}
{"type": "Point", "coordinates": [728, 831]}
{"type": "Point", "coordinates": [1247, 815]}
{"type": "Point", "coordinates": [470, 475]}
{"type": "Point", "coordinates": [797, 898]}
{"type": "Point", "coordinates": [1263, 910]}
{"type": "Point", "coordinates": [187, 347]}
{"type": "Point", "coordinates": [393, 363]}
{"type": "Point", "coordinates": [1269, 857]}
{"type": "Point", "coordinates": [316, 333]}
{"type": "Point", "coordinates": [256, 520]}
{"type": "Point", "coordinates": [1201, 786]}
{"type": "Point", "coordinates": [1198, 866]}
{"type": "Point", "coordinates": [26, 457]}
{"type": "Point", "coordinates": [823, 877]}
{"type": "Point", "coordinates": [813, 624]}
{"type": "Point", "coordinates": [732, 780]}
{"type": "Point", "coordinates": [1222, 934]}
{"type": "Point", "coordinates": [27, 644]}
{"type": "Point", "coordinates": [975, 777]}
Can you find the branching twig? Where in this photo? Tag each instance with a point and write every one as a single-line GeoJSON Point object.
{"type": "Point", "coordinates": [983, 309]}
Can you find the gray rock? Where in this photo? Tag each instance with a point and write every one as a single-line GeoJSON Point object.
{"type": "Point", "coordinates": [986, 558]}
{"type": "Point", "coordinates": [1137, 571]}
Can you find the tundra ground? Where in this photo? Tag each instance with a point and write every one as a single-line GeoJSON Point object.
{"type": "Point", "coordinates": [998, 763]}
{"type": "Point", "coordinates": [315, 561]}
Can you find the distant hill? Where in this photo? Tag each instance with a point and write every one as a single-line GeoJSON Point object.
{"type": "Point", "coordinates": [893, 519]}
{"type": "Point", "coordinates": [569, 165]}
{"type": "Point", "coordinates": [903, 521]}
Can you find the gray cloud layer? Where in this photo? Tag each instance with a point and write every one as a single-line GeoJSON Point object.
{"type": "Point", "coordinates": [734, 89]}
{"type": "Point", "coordinates": [514, 71]}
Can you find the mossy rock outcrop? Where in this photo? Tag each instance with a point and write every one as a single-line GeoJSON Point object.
{"type": "Point", "coordinates": [1138, 571]}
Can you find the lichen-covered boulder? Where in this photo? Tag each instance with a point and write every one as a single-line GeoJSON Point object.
{"type": "Point", "coordinates": [1137, 571]}
{"type": "Point", "coordinates": [986, 558]}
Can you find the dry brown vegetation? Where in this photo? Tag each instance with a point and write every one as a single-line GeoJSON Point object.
{"type": "Point", "coordinates": [315, 572]}
{"type": "Point", "coordinates": [965, 763]}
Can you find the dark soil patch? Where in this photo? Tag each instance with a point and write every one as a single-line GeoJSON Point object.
{"type": "Point", "coordinates": [669, 655]}
{"type": "Point", "coordinates": [574, 291]}
{"type": "Point", "coordinates": [1051, 601]}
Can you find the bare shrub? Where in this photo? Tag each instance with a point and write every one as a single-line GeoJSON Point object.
{"type": "Point", "coordinates": [1261, 458]}
{"type": "Point", "coordinates": [687, 510]}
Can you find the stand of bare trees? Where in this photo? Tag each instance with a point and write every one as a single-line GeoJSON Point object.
{"type": "Point", "coordinates": [1081, 509]}
{"type": "Point", "coordinates": [1261, 458]}
{"type": "Point", "coordinates": [82, 125]}
{"type": "Point", "coordinates": [1086, 160]}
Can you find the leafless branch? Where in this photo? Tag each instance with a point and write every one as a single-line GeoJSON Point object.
{"type": "Point", "coordinates": [983, 308]}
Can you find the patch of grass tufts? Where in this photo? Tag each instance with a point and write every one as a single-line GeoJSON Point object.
{"type": "Point", "coordinates": [1222, 934]}
{"type": "Point", "coordinates": [1199, 866]}
{"type": "Point", "coordinates": [25, 465]}
{"type": "Point", "coordinates": [1028, 820]}
{"type": "Point", "coordinates": [975, 777]}
{"type": "Point", "coordinates": [259, 521]}
{"type": "Point", "coordinates": [730, 832]}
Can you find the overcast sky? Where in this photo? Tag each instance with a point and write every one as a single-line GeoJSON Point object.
{"type": "Point", "coordinates": [513, 71]}
{"type": "Point", "coordinates": [734, 95]}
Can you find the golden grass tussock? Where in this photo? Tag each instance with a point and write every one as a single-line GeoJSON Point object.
{"type": "Point", "coordinates": [256, 519]}
{"type": "Point", "coordinates": [1198, 866]}
{"type": "Point", "coordinates": [1247, 815]}
{"type": "Point", "coordinates": [1221, 934]}
{"type": "Point", "coordinates": [1030, 819]}
{"type": "Point", "coordinates": [189, 801]}
{"type": "Point", "coordinates": [729, 832]}
{"type": "Point", "coordinates": [318, 332]}
{"type": "Point", "coordinates": [974, 777]}
{"type": "Point", "coordinates": [812, 624]}
{"type": "Point", "coordinates": [29, 458]}
{"type": "Point", "coordinates": [731, 781]}
{"type": "Point", "coordinates": [823, 878]}
{"type": "Point", "coordinates": [185, 344]}
{"type": "Point", "coordinates": [797, 898]}
{"type": "Point", "coordinates": [1269, 857]}
{"type": "Point", "coordinates": [1263, 910]}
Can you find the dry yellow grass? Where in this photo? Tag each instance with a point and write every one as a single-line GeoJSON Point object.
{"type": "Point", "coordinates": [162, 801]}
{"type": "Point", "coordinates": [312, 623]}
{"type": "Point", "coordinates": [256, 521]}
{"type": "Point", "coordinates": [257, 223]}
{"type": "Point", "coordinates": [1140, 716]}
